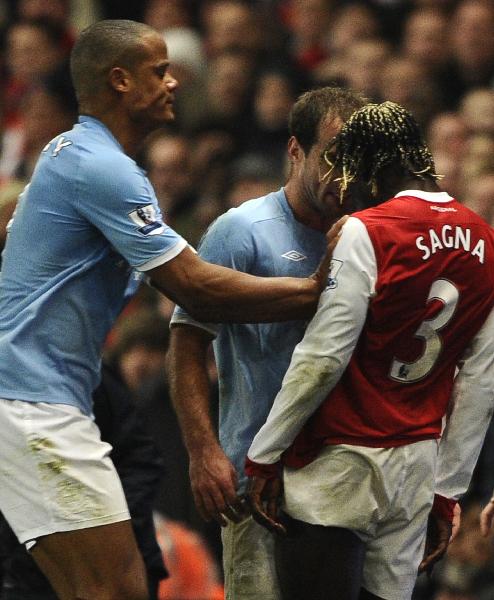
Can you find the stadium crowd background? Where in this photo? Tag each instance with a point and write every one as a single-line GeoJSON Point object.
{"type": "Point", "coordinates": [240, 66]}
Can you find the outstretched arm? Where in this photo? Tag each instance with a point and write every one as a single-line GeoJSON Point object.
{"type": "Point", "coordinates": [214, 293]}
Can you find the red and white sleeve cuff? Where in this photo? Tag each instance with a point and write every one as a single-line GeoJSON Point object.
{"type": "Point", "coordinates": [443, 507]}
{"type": "Point", "coordinates": [267, 471]}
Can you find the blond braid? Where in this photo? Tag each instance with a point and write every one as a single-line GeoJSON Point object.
{"type": "Point", "coordinates": [377, 136]}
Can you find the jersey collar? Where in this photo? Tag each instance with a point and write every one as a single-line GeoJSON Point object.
{"type": "Point", "coordinates": [96, 124]}
{"type": "Point", "coordinates": [428, 196]}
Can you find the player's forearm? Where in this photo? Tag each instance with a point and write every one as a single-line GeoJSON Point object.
{"type": "Point", "coordinates": [190, 388]}
{"type": "Point", "coordinates": [470, 411]}
{"type": "Point", "coordinates": [230, 296]}
{"type": "Point", "coordinates": [216, 294]}
{"type": "Point", "coordinates": [306, 385]}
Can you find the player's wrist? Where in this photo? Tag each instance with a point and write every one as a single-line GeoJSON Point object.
{"type": "Point", "coordinates": [265, 471]}
{"type": "Point", "coordinates": [204, 445]}
{"type": "Point", "coordinates": [443, 507]}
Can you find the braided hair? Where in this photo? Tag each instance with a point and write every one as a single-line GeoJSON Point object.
{"type": "Point", "coordinates": [375, 137]}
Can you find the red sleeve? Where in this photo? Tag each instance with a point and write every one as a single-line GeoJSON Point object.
{"type": "Point", "coordinates": [254, 469]}
{"type": "Point", "coordinates": [443, 508]}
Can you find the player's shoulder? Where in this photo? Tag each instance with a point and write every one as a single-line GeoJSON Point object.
{"type": "Point", "coordinates": [249, 213]}
{"type": "Point", "coordinates": [257, 209]}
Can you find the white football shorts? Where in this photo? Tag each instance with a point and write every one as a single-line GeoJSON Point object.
{"type": "Point", "coordinates": [384, 495]}
{"type": "Point", "coordinates": [55, 472]}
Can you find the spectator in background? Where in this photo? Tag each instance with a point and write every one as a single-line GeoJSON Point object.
{"type": "Point", "coordinates": [407, 82]}
{"type": "Point", "coordinates": [138, 354]}
{"type": "Point", "coordinates": [351, 24]}
{"type": "Point", "coordinates": [226, 95]}
{"type": "Point", "coordinates": [363, 64]}
{"type": "Point", "coordinates": [167, 159]}
{"type": "Point", "coordinates": [231, 24]}
{"type": "Point", "coordinates": [164, 15]}
{"type": "Point", "coordinates": [33, 50]}
{"type": "Point", "coordinates": [477, 161]}
{"type": "Point", "coordinates": [448, 133]}
{"type": "Point", "coordinates": [425, 38]}
{"type": "Point", "coordinates": [308, 23]}
{"type": "Point", "coordinates": [480, 196]}
{"type": "Point", "coordinates": [471, 41]}
{"type": "Point", "coordinates": [477, 110]}
{"type": "Point", "coordinates": [53, 11]}
{"type": "Point", "coordinates": [45, 111]}
{"type": "Point", "coordinates": [213, 148]}
{"type": "Point", "coordinates": [274, 95]}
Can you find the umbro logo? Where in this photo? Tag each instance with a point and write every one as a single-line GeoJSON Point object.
{"type": "Point", "coordinates": [294, 255]}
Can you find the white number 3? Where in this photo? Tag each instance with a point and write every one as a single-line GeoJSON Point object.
{"type": "Point", "coordinates": [447, 293]}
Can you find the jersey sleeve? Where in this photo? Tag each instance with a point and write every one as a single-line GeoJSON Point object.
{"type": "Point", "coordinates": [323, 354]}
{"type": "Point", "coordinates": [118, 199]}
{"type": "Point", "coordinates": [228, 242]}
{"type": "Point", "coordinates": [469, 414]}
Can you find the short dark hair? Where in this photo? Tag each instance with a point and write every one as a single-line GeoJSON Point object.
{"type": "Point", "coordinates": [377, 137]}
{"type": "Point", "coordinates": [312, 107]}
{"type": "Point", "coordinates": [103, 45]}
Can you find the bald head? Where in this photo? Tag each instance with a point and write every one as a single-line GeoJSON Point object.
{"type": "Point", "coordinates": [99, 48]}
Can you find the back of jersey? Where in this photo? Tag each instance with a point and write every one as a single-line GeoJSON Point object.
{"type": "Point", "coordinates": [434, 291]}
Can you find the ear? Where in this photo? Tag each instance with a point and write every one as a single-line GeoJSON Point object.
{"type": "Point", "coordinates": [295, 151]}
{"type": "Point", "coordinates": [119, 79]}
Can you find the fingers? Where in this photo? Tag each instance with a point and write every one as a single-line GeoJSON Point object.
{"type": "Point", "coordinates": [332, 238]}
{"type": "Point", "coordinates": [486, 517]}
{"type": "Point", "coordinates": [268, 491]}
{"type": "Point", "coordinates": [262, 517]}
{"type": "Point", "coordinates": [456, 522]}
{"type": "Point", "coordinates": [333, 235]}
{"type": "Point", "coordinates": [433, 557]}
{"type": "Point", "coordinates": [212, 504]}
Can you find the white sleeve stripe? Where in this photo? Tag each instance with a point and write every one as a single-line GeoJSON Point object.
{"type": "Point", "coordinates": [165, 257]}
{"type": "Point", "coordinates": [184, 319]}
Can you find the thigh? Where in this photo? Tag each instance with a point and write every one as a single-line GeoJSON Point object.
{"type": "Point", "coordinates": [99, 562]}
{"type": "Point", "coordinates": [394, 553]}
{"type": "Point", "coordinates": [248, 562]}
{"type": "Point", "coordinates": [317, 562]}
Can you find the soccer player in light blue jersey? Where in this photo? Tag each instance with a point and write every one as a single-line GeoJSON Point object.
{"type": "Point", "coordinates": [279, 234]}
{"type": "Point", "coordinates": [86, 226]}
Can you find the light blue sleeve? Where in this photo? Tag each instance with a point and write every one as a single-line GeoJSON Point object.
{"type": "Point", "coordinates": [117, 198]}
{"type": "Point", "coordinates": [227, 242]}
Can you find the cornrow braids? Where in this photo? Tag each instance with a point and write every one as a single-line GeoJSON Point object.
{"type": "Point", "coordinates": [374, 137]}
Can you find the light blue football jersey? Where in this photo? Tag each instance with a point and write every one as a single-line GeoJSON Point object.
{"type": "Point", "coordinates": [84, 227]}
{"type": "Point", "coordinates": [261, 237]}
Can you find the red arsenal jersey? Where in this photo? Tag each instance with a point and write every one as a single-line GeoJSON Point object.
{"type": "Point", "coordinates": [434, 289]}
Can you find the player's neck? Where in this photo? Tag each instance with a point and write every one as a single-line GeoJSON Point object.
{"type": "Point", "coordinates": [390, 187]}
{"type": "Point", "coordinates": [128, 134]}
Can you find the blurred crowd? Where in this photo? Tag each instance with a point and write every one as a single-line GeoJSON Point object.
{"type": "Point", "coordinates": [241, 65]}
